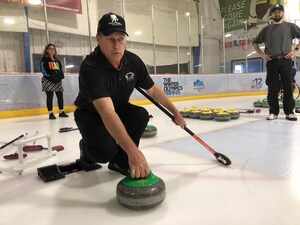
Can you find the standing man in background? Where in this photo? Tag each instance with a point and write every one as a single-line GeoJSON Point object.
{"type": "Point", "coordinates": [110, 126]}
{"type": "Point", "coordinates": [278, 53]}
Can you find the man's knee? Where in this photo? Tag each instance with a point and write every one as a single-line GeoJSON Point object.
{"type": "Point", "coordinates": [142, 115]}
{"type": "Point", "coordinates": [101, 154]}
{"type": "Point", "coordinates": [100, 146]}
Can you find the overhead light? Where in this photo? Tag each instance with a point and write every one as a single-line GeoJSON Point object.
{"type": "Point", "coordinates": [9, 21]}
{"type": "Point", "coordinates": [227, 35]}
{"type": "Point", "coordinates": [138, 32]}
{"type": "Point", "coordinates": [69, 66]}
{"type": "Point", "coordinates": [187, 14]}
{"type": "Point", "coordinates": [35, 2]}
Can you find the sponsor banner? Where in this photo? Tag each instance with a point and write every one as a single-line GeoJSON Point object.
{"type": "Point", "coordinates": [73, 6]}
{"type": "Point", "coordinates": [234, 12]}
{"type": "Point", "coordinates": [20, 91]}
{"type": "Point", "coordinates": [245, 14]}
{"type": "Point", "coordinates": [239, 43]}
{"type": "Point", "coordinates": [193, 85]}
{"type": "Point", "coordinates": [172, 86]}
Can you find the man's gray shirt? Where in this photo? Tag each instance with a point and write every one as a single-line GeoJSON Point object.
{"type": "Point", "coordinates": [278, 38]}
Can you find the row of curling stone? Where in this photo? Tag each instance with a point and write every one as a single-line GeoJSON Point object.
{"type": "Point", "coordinates": [264, 103]}
{"type": "Point", "coordinates": [206, 113]}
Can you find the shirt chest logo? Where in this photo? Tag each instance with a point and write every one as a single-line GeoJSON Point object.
{"type": "Point", "coordinates": [130, 76]}
{"type": "Point", "coordinates": [53, 65]}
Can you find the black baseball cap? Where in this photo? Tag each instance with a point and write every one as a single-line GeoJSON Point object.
{"type": "Point", "coordinates": [110, 23]}
{"type": "Point", "coordinates": [278, 6]}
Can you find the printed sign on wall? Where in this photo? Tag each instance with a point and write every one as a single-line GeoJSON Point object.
{"type": "Point", "coordinates": [170, 87]}
{"type": "Point", "coordinates": [73, 6]}
{"type": "Point", "coordinates": [245, 14]}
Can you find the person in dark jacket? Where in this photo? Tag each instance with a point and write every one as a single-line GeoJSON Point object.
{"type": "Point", "coordinates": [53, 74]}
{"type": "Point", "coordinates": [110, 126]}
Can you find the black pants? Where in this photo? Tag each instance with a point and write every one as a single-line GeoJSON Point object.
{"type": "Point", "coordinates": [279, 72]}
{"type": "Point", "coordinates": [60, 100]}
{"type": "Point", "coordinates": [101, 147]}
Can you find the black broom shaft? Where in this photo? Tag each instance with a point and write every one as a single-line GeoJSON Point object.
{"type": "Point", "coordinates": [155, 103]}
{"type": "Point", "coordinates": [162, 108]}
{"type": "Point", "coordinates": [172, 117]}
{"type": "Point", "coordinates": [3, 146]}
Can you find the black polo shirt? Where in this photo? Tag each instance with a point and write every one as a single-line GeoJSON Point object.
{"type": "Point", "coordinates": [98, 79]}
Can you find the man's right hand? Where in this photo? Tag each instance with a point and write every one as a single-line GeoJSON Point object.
{"type": "Point", "coordinates": [266, 57]}
{"type": "Point", "coordinates": [138, 165]}
{"type": "Point", "coordinates": [262, 54]}
{"type": "Point", "coordinates": [137, 161]}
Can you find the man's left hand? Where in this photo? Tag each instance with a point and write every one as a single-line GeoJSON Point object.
{"type": "Point", "coordinates": [291, 54]}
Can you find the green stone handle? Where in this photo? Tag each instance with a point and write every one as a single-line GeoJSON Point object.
{"type": "Point", "coordinates": [150, 180]}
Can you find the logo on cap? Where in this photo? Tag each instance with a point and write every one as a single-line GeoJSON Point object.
{"type": "Point", "coordinates": [114, 18]}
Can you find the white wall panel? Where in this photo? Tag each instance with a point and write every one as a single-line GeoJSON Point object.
{"type": "Point", "coordinates": [25, 92]}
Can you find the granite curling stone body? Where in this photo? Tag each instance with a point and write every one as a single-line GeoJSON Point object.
{"type": "Point", "coordinates": [141, 193]}
{"type": "Point", "coordinates": [222, 116]}
{"type": "Point", "coordinates": [150, 131]}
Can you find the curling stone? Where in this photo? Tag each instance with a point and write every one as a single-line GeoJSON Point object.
{"type": "Point", "coordinates": [233, 113]}
{"type": "Point", "coordinates": [257, 103]}
{"type": "Point", "coordinates": [150, 131]}
{"type": "Point", "coordinates": [265, 103]}
{"type": "Point", "coordinates": [222, 116]}
{"type": "Point", "coordinates": [185, 112]}
{"type": "Point", "coordinates": [193, 108]}
{"type": "Point", "coordinates": [141, 193]}
{"type": "Point", "coordinates": [206, 115]}
{"type": "Point", "coordinates": [218, 110]}
{"type": "Point", "coordinates": [194, 114]}
{"type": "Point", "coordinates": [297, 110]}
{"type": "Point", "coordinates": [205, 108]}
